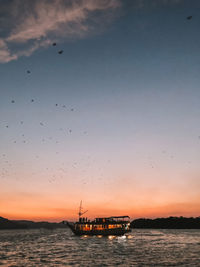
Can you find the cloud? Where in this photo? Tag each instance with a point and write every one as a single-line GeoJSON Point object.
{"type": "Point", "coordinates": [5, 55]}
{"type": "Point", "coordinates": [29, 25]}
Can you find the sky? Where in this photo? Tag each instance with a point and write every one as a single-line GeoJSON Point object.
{"type": "Point", "coordinates": [112, 120]}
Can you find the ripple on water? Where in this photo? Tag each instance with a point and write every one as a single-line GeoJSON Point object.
{"type": "Point", "coordinates": [40, 247]}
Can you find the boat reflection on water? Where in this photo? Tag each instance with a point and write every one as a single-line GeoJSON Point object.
{"type": "Point", "coordinates": [111, 237]}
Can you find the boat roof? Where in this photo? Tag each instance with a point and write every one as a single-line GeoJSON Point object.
{"type": "Point", "coordinates": [114, 217]}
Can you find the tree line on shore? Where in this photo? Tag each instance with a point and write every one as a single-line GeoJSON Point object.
{"type": "Point", "coordinates": [167, 223]}
{"type": "Point", "coordinates": [158, 223]}
{"type": "Point", "coordinates": [24, 224]}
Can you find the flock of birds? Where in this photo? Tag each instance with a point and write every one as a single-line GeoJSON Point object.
{"type": "Point", "coordinates": [62, 51]}
{"type": "Point", "coordinates": [42, 123]}
{"type": "Point", "coordinates": [5, 172]}
{"type": "Point", "coordinates": [59, 52]}
{"type": "Point", "coordinates": [25, 140]}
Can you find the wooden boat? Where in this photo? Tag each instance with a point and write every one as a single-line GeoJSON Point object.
{"type": "Point", "coordinates": [115, 225]}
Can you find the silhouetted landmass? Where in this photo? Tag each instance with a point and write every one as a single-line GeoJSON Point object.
{"type": "Point", "coordinates": [159, 223]}
{"type": "Point", "coordinates": [23, 224]}
{"type": "Point", "coordinates": [7, 224]}
{"type": "Point", "coordinates": [167, 223]}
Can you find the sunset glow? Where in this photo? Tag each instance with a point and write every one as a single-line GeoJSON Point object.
{"type": "Point", "coordinates": [112, 121]}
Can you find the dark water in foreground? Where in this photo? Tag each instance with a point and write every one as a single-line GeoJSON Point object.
{"type": "Point", "coordinates": [60, 247]}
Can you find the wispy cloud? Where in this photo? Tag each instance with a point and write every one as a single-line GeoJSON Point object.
{"type": "Point", "coordinates": [29, 25]}
{"type": "Point", "coordinates": [5, 55]}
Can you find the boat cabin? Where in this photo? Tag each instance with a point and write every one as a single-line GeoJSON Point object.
{"type": "Point", "coordinates": [99, 224]}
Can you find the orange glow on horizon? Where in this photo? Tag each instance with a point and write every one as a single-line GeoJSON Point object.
{"type": "Point", "coordinates": [122, 196]}
{"type": "Point", "coordinates": [58, 215]}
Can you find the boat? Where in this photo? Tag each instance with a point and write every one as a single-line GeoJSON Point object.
{"type": "Point", "coordinates": [104, 226]}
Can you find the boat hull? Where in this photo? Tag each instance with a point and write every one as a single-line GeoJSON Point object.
{"type": "Point", "coordinates": [105, 232]}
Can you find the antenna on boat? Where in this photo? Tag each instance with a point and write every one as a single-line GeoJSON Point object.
{"type": "Point", "coordinates": [80, 210]}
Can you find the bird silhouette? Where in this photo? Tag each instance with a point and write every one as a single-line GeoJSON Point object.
{"type": "Point", "coordinates": [13, 101]}
{"type": "Point", "coordinates": [54, 44]}
{"type": "Point", "coordinates": [28, 71]}
{"type": "Point", "coordinates": [189, 17]}
{"type": "Point", "coordinates": [32, 100]}
{"type": "Point", "coordinates": [60, 52]}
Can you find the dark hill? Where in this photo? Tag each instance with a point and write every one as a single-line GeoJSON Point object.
{"type": "Point", "coordinates": [23, 224]}
{"type": "Point", "coordinates": [7, 224]}
{"type": "Point", "coordinates": [167, 223]}
{"type": "Point", "coordinates": [48, 225]}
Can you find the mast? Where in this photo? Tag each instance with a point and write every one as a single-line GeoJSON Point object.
{"type": "Point", "coordinates": [80, 213]}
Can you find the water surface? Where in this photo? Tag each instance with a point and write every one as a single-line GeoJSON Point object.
{"type": "Point", "coordinates": [60, 247]}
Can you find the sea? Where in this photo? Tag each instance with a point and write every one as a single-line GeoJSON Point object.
{"type": "Point", "coordinates": [60, 247]}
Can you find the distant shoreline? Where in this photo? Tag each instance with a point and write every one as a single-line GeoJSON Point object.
{"type": "Point", "coordinates": [167, 223]}
{"type": "Point", "coordinates": [142, 223]}
{"type": "Point", "coordinates": [6, 224]}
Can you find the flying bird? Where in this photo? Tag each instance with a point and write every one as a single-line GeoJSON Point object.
{"type": "Point", "coordinates": [189, 17]}
{"type": "Point", "coordinates": [54, 44]}
{"type": "Point", "coordinates": [28, 71]}
{"type": "Point", "coordinates": [32, 100]}
{"type": "Point", "coordinates": [13, 101]}
{"type": "Point", "coordinates": [60, 52]}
